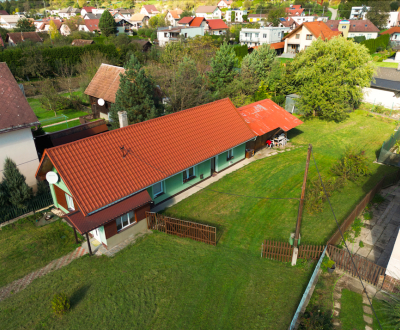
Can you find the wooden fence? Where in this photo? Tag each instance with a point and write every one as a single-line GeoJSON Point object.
{"type": "Point", "coordinates": [367, 270]}
{"type": "Point", "coordinates": [196, 231]}
{"type": "Point", "coordinates": [283, 251]}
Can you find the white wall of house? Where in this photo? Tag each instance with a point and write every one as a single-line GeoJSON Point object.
{"type": "Point", "coordinates": [264, 35]}
{"type": "Point", "coordinates": [20, 147]}
{"type": "Point", "coordinates": [143, 11]}
{"type": "Point", "coordinates": [395, 37]}
{"type": "Point", "coordinates": [223, 4]}
{"type": "Point", "coordinates": [216, 14]}
{"type": "Point", "coordinates": [356, 12]}
{"type": "Point", "coordinates": [299, 41]}
{"type": "Point", "coordinates": [165, 36]}
{"type": "Point", "coordinates": [98, 11]}
{"type": "Point", "coordinates": [367, 35]}
{"type": "Point", "coordinates": [238, 15]}
{"type": "Point", "coordinates": [170, 20]}
{"type": "Point", "coordinates": [302, 19]}
{"type": "Point", "coordinates": [377, 96]}
{"type": "Point", "coordinates": [393, 267]}
{"type": "Point", "coordinates": [393, 19]}
{"type": "Point", "coordinates": [83, 28]}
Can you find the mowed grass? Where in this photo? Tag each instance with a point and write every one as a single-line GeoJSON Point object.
{"type": "Point", "coordinates": [387, 64]}
{"type": "Point", "coordinates": [25, 247]}
{"type": "Point", "coordinates": [43, 114]}
{"type": "Point", "coordinates": [245, 221]}
{"type": "Point", "coordinates": [64, 125]}
{"type": "Point", "coordinates": [164, 282]}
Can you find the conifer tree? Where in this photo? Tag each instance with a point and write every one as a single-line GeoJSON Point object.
{"type": "Point", "coordinates": [19, 193]}
{"type": "Point", "coordinates": [222, 65]}
{"type": "Point", "coordinates": [107, 24]}
{"type": "Point", "coordinates": [136, 95]}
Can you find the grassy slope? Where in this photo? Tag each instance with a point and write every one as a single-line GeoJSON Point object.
{"type": "Point", "coordinates": [25, 247]}
{"type": "Point", "coordinates": [59, 127]}
{"type": "Point", "coordinates": [164, 282]}
{"type": "Point", "coordinates": [246, 222]}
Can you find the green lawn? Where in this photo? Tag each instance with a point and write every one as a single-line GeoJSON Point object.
{"type": "Point", "coordinates": [164, 282]}
{"type": "Point", "coordinates": [386, 64]}
{"type": "Point", "coordinates": [284, 60]}
{"type": "Point", "coordinates": [25, 247]}
{"type": "Point", "coordinates": [351, 312]}
{"type": "Point", "coordinates": [42, 114]}
{"type": "Point", "coordinates": [245, 222]}
{"type": "Point", "coordinates": [65, 125]}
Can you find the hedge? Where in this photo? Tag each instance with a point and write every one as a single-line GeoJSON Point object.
{"type": "Point", "coordinates": [358, 39]}
{"type": "Point", "coordinates": [374, 44]}
{"type": "Point", "coordinates": [16, 58]}
{"type": "Point", "coordinates": [241, 51]}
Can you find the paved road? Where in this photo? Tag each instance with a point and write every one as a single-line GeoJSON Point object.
{"type": "Point", "coordinates": [334, 13]}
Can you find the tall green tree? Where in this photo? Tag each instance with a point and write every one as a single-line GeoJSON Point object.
{"type": "Point", "coordinates": [136, 95]}
{"type": "Point", "coordinates": [24, 25]}
{"type": "Point", "coordinates": [329, 76]}
{"type": "Point", "coordinates": [107, 24]}
{"type": "Point", "coordinates": [275, 14]}
{"type": "Point", "coordinates": [14, 186]}
{"type": "Point", "coordinates": [379, 13]}
{"type": "Point", "coordinates": [222, 67]}
{"type": "Point", "coordinates": [258, 64]}
{"type": "Point", "coordinates": [394, 5]}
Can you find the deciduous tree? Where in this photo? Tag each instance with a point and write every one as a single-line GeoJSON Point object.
{"type": "Point", "coordinates": [53, 31]}
{"type": "Point", "coordinates": [379, 13]}
{"type": "Point", "coordinates": [24, 25]}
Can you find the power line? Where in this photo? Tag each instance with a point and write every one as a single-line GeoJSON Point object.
{"type": "Point", "coordinates": [344, 241]}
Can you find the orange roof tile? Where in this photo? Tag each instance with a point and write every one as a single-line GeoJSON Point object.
{"type": "Point", "coordinates": [105, 82]}
{"type": "Point", "coordinates": [395, 29]}
{"type": "Point", "coordinates": [318, 29]}
{"type": "Point", "coordinates": [186, 20]}
{"type": "Point", "coordinates": [96, 174]}
{"type": "Point", "coordinates": [216, 24]}
{"type": "Point", "coordinates": [197, 21]}
{"type": "Point", "coordinates": [278, 45]}
{"type": "Point", "coordinates": [265, 116]}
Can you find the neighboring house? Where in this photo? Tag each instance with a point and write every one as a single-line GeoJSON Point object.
{"type": "Point", "coordinates": [185, 21]}
{"type": "Point", "coordinates": [209, 12]}
{"type": "Point", "coordinates": [10, 21]}
{"type": "Point", "coordinates": [69, 12]}
{"type": "Point", "coordinates": [216, 27]}
{"type": "Point", "coordinates": [355, 28]}
{"type": "Point", "coordinates": [17, 118]}
{"type": "Point", "coordinates": [90, 25]}
{"type": "Point", "coordinates": [393, 267]}
{"type": "Point", "coordinates": [294, 10]}
{"type": "Point", "coordinates": [173, 16]}
{"type": "Point", "coordinates": [359, 12]}
{"type": "Point", "coordinates": [302, 36]}
{"type": "Point", "coordinates": [81, 42]}
{"type": "Point", "coordinates": [267, 119]}
{"type": "Point", "coordinates": [86, 10]}
{"type": "Point", "coordinates": [263, 35]}
{"type": "Point", "coordinates": [138, 21]}
{"type": "Point", "coordinates": [253, 18]}
{"type": "Point", "coordinates": [225, 3]}
{"type": "Point", "coordinates": [393, 19]}
{"type": "Point", "coordinates": [98, 11]}
{"type": "Point", "coordinates": [302, 19]}
{"type": "Point", "coordinates": [149, 10]}
{"type": "Point", "coordinates": [126, 173]}
{"type": "Point", "coordinates": [126, 13]}
{"type": "Point", "coordinates": [322, 18]}
{"type": "Point", "coordinates": [198, 21]}
{"type": "Point", "coordinates": [16, 38]}
{"type": "Point", "coordinates": [104, 85]}
{"type": "Point", "coordinates": [288, 22]}
{"type": "Point", "coordinates": [92, 16]}
{"type": "Point", "coordinates": [394, 34]}
{"type": "Point", "coordinates": [145, 45]}
{"type": "Point", "coordinates": [123, 26]}
{"type": "Point", "coordinates": [45, 26]}
{"type": "Point", "coordinates": [385, 88]}
{"type": "Point", "coordinates": [3, 12]}
{"type": "Point", "coordinates": [173, 34]}
{"type": "Point", "coordinates": [238, 13]}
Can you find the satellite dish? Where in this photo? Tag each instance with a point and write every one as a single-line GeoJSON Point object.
{"type": "Point", "coordinates": [100, 102]}
{"type": "Point", "coordinates": [52, 177]}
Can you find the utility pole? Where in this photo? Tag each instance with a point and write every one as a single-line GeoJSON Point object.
{"type": "Point", "coordinates": [300, 211]}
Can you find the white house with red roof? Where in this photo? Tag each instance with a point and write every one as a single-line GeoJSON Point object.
{"type": "Point", "coordinates": [89, 25]}
{"type": "Point", "coordinates": [263, 35]}
{"type": "Point", "coordinates": [86, 10]}
{"type": "Point", "coordinates": [225, 3]}
{"type": "Point", "coordinates": [173, 16]}
{"type": "Point", "coordinates": [209, 12]}
{"type": "Point", "coordinates": [216, 27]}
{"type": "Point", "coordinates": [149, 10]}
{"type": "Point", "coordinates": [294, 10]}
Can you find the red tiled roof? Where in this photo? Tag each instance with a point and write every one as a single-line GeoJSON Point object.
{"type": "Point", "coordinates": [318, 29]}
{"type": "Point", "coordinates": [88, 9]}
{"type": "Point", "coordinates": [186, 20]}
{"type": "Point", "coordinates": [216, 24]}
{"type": "Point", "coordinates": [96, 174]}
{"type": "Point", "coordinates": [395, 29]}
{"type": "Point", "coordinates": [265, 116]}
{"type": "Point", "coordinates": [15, 110]}
{"type": "Point", "coordinates": [364, 25]}
{"type": "Point", "coordinates": [18, 37]}
{"type": "Point", "coordinates": [278, 45]}
{"type": "Point", "coordinates": [86, 224]}
{"type": "Point", "coordinates": [150, 8]}
{"type": "Point", "coordinates": [296, 7]}
{"type": "Point", "coordinates": [197, 21]}
{"type": "Point", "coordinates": [294, 12]}
{"type": "Point", "coordinates": [176, 13]}
{"type": "Point", "coordinates": [92, 24]}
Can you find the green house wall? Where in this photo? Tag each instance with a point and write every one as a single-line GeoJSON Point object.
{"type": "Point", "coordinates": [239, 153]}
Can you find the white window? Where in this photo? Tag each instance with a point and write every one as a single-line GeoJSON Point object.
{"type": "Point", "coordinates": [158, 189]}
{"type": "Point", "coordinates": [230, 154]}
{"type": "Point", "coordinates": [70, 202]}
{"type": "Point", "coordinates": [188, 174]}
{"type": "Point", "coordinates": [125, 220]}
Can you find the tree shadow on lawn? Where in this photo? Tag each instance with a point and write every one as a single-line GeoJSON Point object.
{"type": "Point", "coordinates": [78, 295]}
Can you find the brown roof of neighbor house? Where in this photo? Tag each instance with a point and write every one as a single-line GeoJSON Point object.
{"type": "Point", "coordinates": [141, 42]}
{"type": "Point", "coordinates": [97, 174]}
{"type": "Point", "coordinates": [395, 29]}
{"type": "Point", "coordinates": [355, 25]}
{"type": "Point", "coordinates": [18, 37]}
{"type": "Point", "coordinates": [150, 8]}
{"type": "Point", "coordinates": [206, 9]}
{"type": "Point", "coordinates": [88, 9]}
{"type": "Point", "coordinates": [318, 29]}
{"type": "Point", "coordinates": [137, 17]}
{"type": "Point", "coordinates": [3, 12]}
{"type": "Point", "coordinates": [105, 82]}
{"type": "Point", "coordinates": [86, 224]}
{"type": "Point", "coordinates": [288, 22]}
{"type": "Point", "coordinates": [92, 24]}
{"type": "Point", "coordinates": [57, 22]}
{"type": "Point", "coordinates": [81, 42]}
{"type": "Point", "coordinates": [15, 111]}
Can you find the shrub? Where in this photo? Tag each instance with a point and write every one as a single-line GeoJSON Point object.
{"type": "Point", "coordinates": [316, 319]}
{"type": "Point", "coordinates": [326, 263]}
{"type": "Point", "coordinates": [378, 198]}
{"type": "Point", "coordinates": [367, 215]}
{"type": "Point", "coordinates": [379, 107]}
{"type": "Point", "coordinates": [352, 166]}
{"type": "Point", "coordinates": [60, 303]}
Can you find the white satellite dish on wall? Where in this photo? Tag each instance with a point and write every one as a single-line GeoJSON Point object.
{"type": "Point", "coordinates": [100, 102]}
{"type": "Point", "coordinates": [52, 177]}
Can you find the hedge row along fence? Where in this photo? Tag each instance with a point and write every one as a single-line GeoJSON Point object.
{"type": "Point", "coordinates": [18, 57]}
{"type": "Point", "coordinates": [373, 44]}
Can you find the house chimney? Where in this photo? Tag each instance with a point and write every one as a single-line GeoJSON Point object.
{"type": "Point", "coordinates": [123, 118]}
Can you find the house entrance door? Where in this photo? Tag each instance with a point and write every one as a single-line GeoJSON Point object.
{"type": "Point", "coordinates": [212, 165]}
{"type": "Point", "coordinates": [96, 234]}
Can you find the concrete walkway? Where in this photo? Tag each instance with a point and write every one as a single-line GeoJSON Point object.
{"type": "Point", "coordinates": [334, 13]}
{"type": "Point", "coordinates": [22, 283]}
{"type": "Point", "coordinates": [379, 234]}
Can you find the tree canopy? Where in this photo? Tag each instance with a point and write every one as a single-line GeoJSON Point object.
{"type": "Point", "coordinates": [379, 13]}
{"type": "Point", "coordinates": [329, 76]}
{"type": "Point", "coordinates": [25, 25]}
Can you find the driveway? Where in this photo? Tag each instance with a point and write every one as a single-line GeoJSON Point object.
{"type": "Point", "coordinates": [334, 13]}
